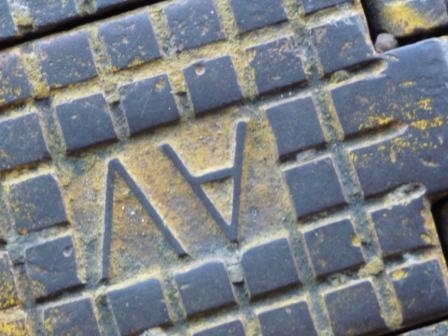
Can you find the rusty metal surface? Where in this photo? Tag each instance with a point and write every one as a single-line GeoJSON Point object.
{"type": "Point", "coordinates": [222, 168]}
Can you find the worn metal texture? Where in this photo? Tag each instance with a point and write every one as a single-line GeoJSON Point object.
{"type": "Point", "coordinates": [20, 19]}
{"type": "Point", "coordinates": [223, 168]}
{"type": "Point", "coordinates": [405, 18]}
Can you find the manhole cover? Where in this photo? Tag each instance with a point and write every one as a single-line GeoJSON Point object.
{"type": "Point", "coordinates": [237, 167]}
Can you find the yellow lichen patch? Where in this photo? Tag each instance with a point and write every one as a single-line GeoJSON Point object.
{"type": "Point", "coordinates": [425, 124]}
{"type": "Point", "coordinates": [378, 120]}
{"type": "Point", "coordinates": [429, 237]}
{"type": "Point", "coordinates": [134, 231]}
{"type": "Point", "coordinates": [356, 241]}
{"type": "Point", "coordinates": [205, 145]}
{"type": "Point", "coordinates": [426, 238]}
{"type": "Point", "coordinates": [265, 204]}
{"type": "Point", "coordinates": [339, 76]}
{"type": "Point", "coordinates": [394, 317]}
{"type": "Point", "coordinates": [208, 147]}
{"type": "Point", "coordinates": [399, 144]}
{"type": "Point", "coordinates": [399, 274]}
{"type": "Point", "coordinates": [220, 193]}
{"type": "Point", "coordinates": [401, 19]}
{"type": "Point", "coordinates": [8, 292]}
{"type": "Point", "coordinates": [202, 147]}
{"type": "Point", "coordinates": [8, 295]}
{"type": "Point", "coordinates": [14, 326]}
{"type": "Point", "coordinates": [38, 288]}
{"type": "Point", "coordinates": [425, 103]}
{"type": "Point", "coordinates": [407, 83]}
{"type": "Point", "coordinates": [32, 65]}
{"type": "Point", "coordinates": [422, 124]}
{"type": "Point", "coordinates": [373, 267]}
{"type": "Point", "coordinates": [23, 18]}
{"type": "Point", "coordinates": [49, 322]}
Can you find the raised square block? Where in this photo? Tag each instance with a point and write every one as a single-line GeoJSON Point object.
{"type": "Point", "coordinates": [212, 84]}
{"type": "Point", "coordinates": [51, 267]}
{"type": "Point", "coordinates": [85, 122]}
{"type": "Point", "coordinates": [14, 83]}
{"type": "Point", "coordinates": [269, 267]}
{"type": "Point", "coordinates": [75, 317]}
{"type": "Point", "coordinates": [193, 23]}
{"type": "Point", "coordinates": [277, 65]}
{"type": "Point", "coordinates": [67, 59]}
{"type": "Point", "coordinates": [344, 252]}
{"type": "Point", "coordinates": [342, 44]}
{"type": "Point", "coordinates": [46, 13]}
{"type": "Point", "coordinates": [205, 288]}
{"type": "Point", "coordinates": [250, 15]}
{"type": "Point", "coordinates": [36, 204]}
{"type": "Point", "coordinates": [421, 67]}
{"type": "Point", "coordinates": [7, 27]}
{"type": "Point", "coordinates": [295, 126]}
{"type": "Point", "coordinates": [148, 103]}
{"type": "Point", "coordinates": [21, 142]}
{"type": "Point", "coordinates": [417, 103]}
{"type": "Point", "coordinates": [378, 173]}
{"type": "Point", "coordinates": [138, 306]}
{"type": "Point", "coordinates": [421, 291]}
{"type": "Point", "coordinates": [293, 319]}
{"type": "Point", "coordinates": [130, 40]}
{"type": "Point", "coordinates": [354, 310]}
{"type": "Point", "coordinates": [314, 186]}
{"type": "Point", "coordinates": [402, 227]}
{"type": "Point", "coordinates": [234, 328]}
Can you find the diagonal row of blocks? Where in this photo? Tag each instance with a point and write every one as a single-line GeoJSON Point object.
{"type": "Point", "coordinates": [407, 100]}
{"type": "Point", "coordinates": [21, 18]}
{"type": "Point", "coordinates": [268, 267]}
{"type": "Point", "coordinates": [212, 83]}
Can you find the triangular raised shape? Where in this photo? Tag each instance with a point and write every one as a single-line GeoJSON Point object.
{"type": "Point", "coordinates": [221, 194]}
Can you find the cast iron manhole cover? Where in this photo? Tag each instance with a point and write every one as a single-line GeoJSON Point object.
{"type": "Point", "coordinates": [223, 167]}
